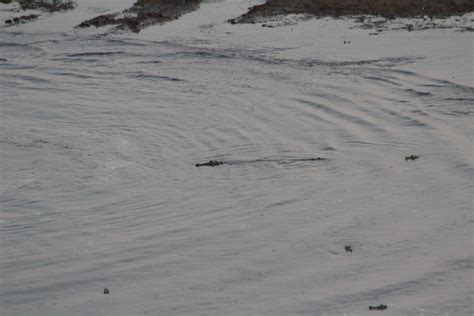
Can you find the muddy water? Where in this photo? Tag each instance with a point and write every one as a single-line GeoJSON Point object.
{"type": "Point", "coordinates": [99, 135]}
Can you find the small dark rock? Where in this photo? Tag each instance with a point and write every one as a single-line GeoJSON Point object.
{"type": "Point", "coordinates": [210, 163]}
{"type": "Point", "coordinates": [348, 248]}
{"type": "Point", "coordinates": [380, 307]}
{"type": "Point", "coordinates": [106, 291]}
{"type": "Point", "coordinates": [411, 157]}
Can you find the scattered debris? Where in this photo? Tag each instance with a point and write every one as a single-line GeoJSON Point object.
{"type": "Point", "coordinates": [380, 307]}
{"type": "Point", "coordinates": [348, 248]}
{"type": "Point", "coordinates": [106, 291]}
{"type": "Point", "coordinates": [411, 157]}
{"type": "Point", "coordinates": [210, 163]}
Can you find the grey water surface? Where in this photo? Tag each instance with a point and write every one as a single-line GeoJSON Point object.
{"type": "Point", "coordinates": [99, 137]}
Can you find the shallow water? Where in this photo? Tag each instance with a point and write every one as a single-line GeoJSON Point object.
{"type": "Point", "coordinates": [100, 132]}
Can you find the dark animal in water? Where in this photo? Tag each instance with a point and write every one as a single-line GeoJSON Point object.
{"type": "Point", "coordinates": [214, 163]}
{"type": "Point", "coordinates": [348, 248]}
{"type": "Point", "coordinates": [411, 157]}
{"type": "Point", "coordinates": [210, 163]}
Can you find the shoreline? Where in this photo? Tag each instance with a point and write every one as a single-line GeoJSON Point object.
{"type": "Point", "coordinates": [367, 14]}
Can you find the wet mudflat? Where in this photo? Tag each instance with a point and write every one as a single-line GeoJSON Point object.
{"type": "Point", "coordinates": [103, 211]}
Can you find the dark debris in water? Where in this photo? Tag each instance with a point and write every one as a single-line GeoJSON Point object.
{"type": "Point", "coordinates": [411, 157]}
{"type": "Point", "coordinates": [380, 307]}
{"type": "Point", "coordinates": [349, 248]}
{"type": "Point", "coordinates": [106, 291]}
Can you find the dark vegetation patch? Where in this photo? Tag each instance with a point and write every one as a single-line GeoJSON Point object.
{"type": "Point", "coordinates": [44, 5]}
{"type": "Point", "coordinates": [144, 13]}
{"type": "Point", "coordinates": [338, 8]}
